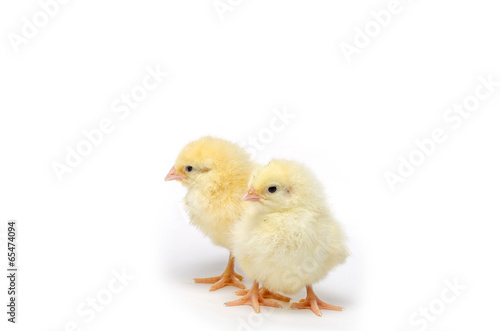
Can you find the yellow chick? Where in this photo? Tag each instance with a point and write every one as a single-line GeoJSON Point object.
{"type": "Point", "coordinates": [216, 173]}
{"type": "Point", "coordinates": [288, 237]}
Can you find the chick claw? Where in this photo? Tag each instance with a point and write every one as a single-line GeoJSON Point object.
{"type": "Point", "coordinates": [314, 303]}
{"type": "Point", "coordinates": [265, 293]}
{"type": "Point", "coordinates": [228, 278]}
{"type": "Point", "coordinates": [232, 279]}
{"type": "Point", "coordinates": [253, 298]}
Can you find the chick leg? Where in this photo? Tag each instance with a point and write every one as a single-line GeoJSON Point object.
{"type": "Point", "coordinates": [266, 294]}
{"type": "Point", "coordinates": [228, 278]}
{"type": "Point", "coordinates": [253, 298]}
{"type": "Point", "coordinates": [312, 302]}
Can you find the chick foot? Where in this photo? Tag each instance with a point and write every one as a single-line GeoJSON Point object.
{"type": "Point", "coordinates": [266, 294]}
{"type": "Point", "coordinates": [253, 298]}
{"type": "Point", "coordinates": [312, 302]}
{"type": "Point", "coordinates": [228, 278]}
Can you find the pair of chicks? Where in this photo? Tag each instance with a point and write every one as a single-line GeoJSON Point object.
{"type": "Point", "coordinates": [273, 219]}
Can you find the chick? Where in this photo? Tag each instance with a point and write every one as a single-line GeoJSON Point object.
{"type": "Point", "coordinates": [216, 173]}
{"type": "Point", "coordinates": [287, 238]}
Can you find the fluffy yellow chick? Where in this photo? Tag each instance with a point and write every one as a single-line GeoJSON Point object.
{"type": "Point", "coordinates": [287, 238]}
{"type": "Point", "coordinates": [216, 173]}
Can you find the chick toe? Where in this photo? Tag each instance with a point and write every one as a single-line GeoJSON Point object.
{"type": "Point", "coordinates": [228, 278]}
{"type": "Point", "coordinates": [314, 303]}
{"type": "Point", "coordinates": [267, 294]}
{"type": "Point", "coordinates": [254, 298]}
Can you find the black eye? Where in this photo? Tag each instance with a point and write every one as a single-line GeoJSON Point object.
{"type": "Point", "coordinates": [272, 189]}
{"type": "Point", "coordinates": [189, 168]}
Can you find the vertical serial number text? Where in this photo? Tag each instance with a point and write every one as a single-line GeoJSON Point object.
{"type": "Point", "coordinates": [11, 271]}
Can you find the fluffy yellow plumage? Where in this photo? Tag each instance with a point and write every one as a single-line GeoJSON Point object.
{"type": "Point", "coordinates": [287, 238]}
{"type": "Point", "coordinates": [216, 173]}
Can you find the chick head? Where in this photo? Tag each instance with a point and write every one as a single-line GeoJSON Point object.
{"type": "Point", "coordinates": [203, 159]}
{"type": "Point", "coordinates": [283, 184]}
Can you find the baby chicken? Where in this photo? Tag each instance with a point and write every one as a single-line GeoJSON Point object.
{"type": "Point", "coordinates": [216, 173]}
{"type": "Point", "coordinates": [287, 238]}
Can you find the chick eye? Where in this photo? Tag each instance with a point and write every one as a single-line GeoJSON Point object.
{"type": "Point", "coordinates": [189, 168]}
{"type": "Point", "coordinates": [272, 189]}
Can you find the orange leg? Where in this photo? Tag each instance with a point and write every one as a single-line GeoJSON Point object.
{"type": "Point", "coordinates": [312, 302]}
{"type": "Point", "coordinates": [266, 294]}
{"type": "Point", "coordinates": [253, 298]}
{"type": "Point", "coordinates": [228, 278]}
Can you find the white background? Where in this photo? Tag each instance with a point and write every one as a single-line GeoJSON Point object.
{"type": "Point", "coordinates": [352, 122]}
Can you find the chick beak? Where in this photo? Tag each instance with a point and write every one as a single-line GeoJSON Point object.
{"type": "Point", "coordinates": [172, 175]}
{"type": "Point", "coordinates": [250, 195]}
